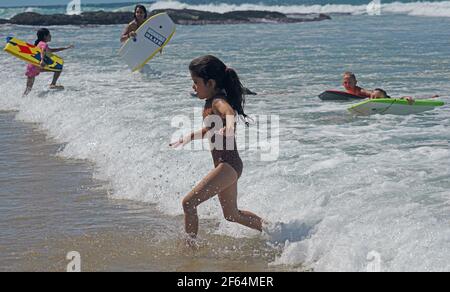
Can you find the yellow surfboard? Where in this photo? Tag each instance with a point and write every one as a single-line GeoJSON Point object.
{"type": "Point", "coordinates": [32, 54]}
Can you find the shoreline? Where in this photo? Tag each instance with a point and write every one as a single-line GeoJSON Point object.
{"type": "Point", "coordinates": [53, 205]}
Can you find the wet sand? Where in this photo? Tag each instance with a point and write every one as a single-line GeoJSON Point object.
{"type": "Point", "coordinates": [50, 206]}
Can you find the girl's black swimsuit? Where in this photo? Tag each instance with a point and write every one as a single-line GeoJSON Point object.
{"type": "Point", "coordinates": [221, 154]}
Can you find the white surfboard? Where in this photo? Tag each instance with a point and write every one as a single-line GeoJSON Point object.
{"type": "Point", "coordinates": [151, 37]}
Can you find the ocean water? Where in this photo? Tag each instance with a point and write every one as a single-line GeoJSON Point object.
{"type": "Point", "coordinates": [348, 189]}
{"type": "Point", "coordinates": [431, 8]}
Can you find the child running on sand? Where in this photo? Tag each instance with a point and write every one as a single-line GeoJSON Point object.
{"type": "Point", "coordinates": [43, 37]}
{"type": "Point", "coordinates": [222, 91]}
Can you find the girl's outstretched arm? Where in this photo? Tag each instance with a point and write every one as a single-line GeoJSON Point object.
{"type": "Point", "coordinates": [61, 49]}
{"type": "Point", "coordinates": [422, 97]}
{"type": "Point", "coordinates": [411, 100]}
{"type": "Point", "coordinates": [366, 93]}
{"type": "Point", "coordinates": [200, 134]}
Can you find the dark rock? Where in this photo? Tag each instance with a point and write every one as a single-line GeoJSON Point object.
{"type": "Point", "coordinates": [309, 17]}
{"type": "Point", "coordinates": [3, 21]}
{"type": "Point", "coordinates": [179, 16]}
{"type": "Point", "coordinates": [184, 16]}
{"type": "Point", "coordinates": [195, 17]}
{"type": "Point", "coordinates": [254, 15]}
{"type": "Point", "coordinates": [102, 18]}
{"type": "Point", "coordinates": [31, 18]}
{"type": "Point", "coordinates": [99, 18]}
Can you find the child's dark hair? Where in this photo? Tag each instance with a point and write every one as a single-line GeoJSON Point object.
{"type": "Point", "coordinates": [142, 7]}
{"type": "Point", "coordinates": [210, 67]}
{"type": "Point", "coordinates": [382, 91]}
{"type": "Point", "coordinates": [41, 34]}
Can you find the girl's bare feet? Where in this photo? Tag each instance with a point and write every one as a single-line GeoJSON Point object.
{"type": "Point", "coordinates": [192, 242]}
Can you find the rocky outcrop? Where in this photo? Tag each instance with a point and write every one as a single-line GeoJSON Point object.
{"type": "Point", "coordinates": [96, 18]}
{"type": "Point", "coordinates": [184, 16]}
{"type": "Point", "coordinates": [195, 17]}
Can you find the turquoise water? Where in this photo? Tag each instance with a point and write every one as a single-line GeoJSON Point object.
{"type": "Point", "coordinates": [344, 186]}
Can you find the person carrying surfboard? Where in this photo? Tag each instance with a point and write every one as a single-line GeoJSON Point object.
{"type": "Point", "coordinates": [43, 38]}
{"type": "Point", "coordinates": [350, 84]}
{"type": "Point", "coordinates": [140, 16]}
{"type": "Point", "coordinates": [223, 93]}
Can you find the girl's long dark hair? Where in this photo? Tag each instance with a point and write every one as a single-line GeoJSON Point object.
{"type": "Point", "coordinates": [41, 34]}
{"type": "Point", "coordinates": [210, 67]}
{"type": "Point", "coordinates": [142, 7]}
{"type": "Point", "coordinates": [382, 91]}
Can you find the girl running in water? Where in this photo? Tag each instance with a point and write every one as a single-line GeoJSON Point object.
{"type": "Point", "coordinates": [43, 37]}
{"type": "Point", "coordinates": [222, 91]}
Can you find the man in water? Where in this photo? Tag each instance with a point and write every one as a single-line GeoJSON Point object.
{"type": "Point", "coordinates": [349, 82]}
